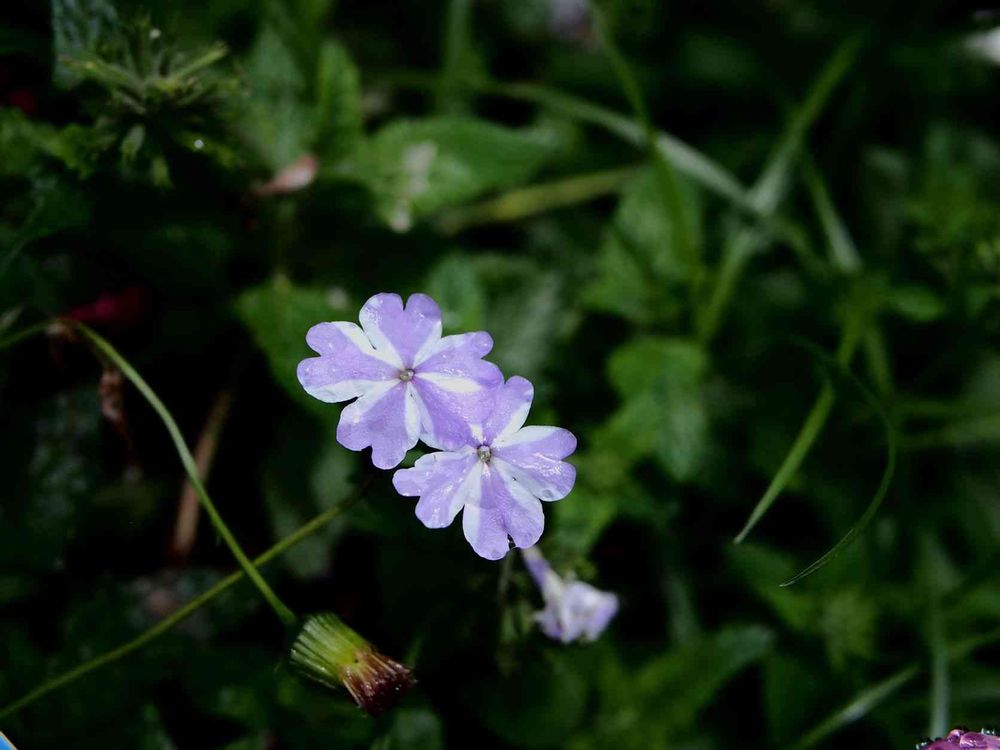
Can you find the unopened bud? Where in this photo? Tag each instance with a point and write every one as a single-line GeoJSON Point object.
{"type": "Point", "coordinates": [328, 651]}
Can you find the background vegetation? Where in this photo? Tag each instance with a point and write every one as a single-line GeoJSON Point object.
{"type": "Point", "coordinates": [789, 293]}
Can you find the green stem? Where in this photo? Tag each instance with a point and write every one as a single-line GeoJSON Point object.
{"type": "Point", "coordinates": [178, 616]}
{"type": "Point", "coordinates": [24, 333]}
{"type": "Point", "coordinates": [665, 173]}
{"type": "Point", "coordinates": [535, 199]}
{"type": "Point", "coordinates": [190, 466]}
{"type": "Point", "coordinates": [769, 190]}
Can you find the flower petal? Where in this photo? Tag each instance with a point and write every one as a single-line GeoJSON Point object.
{"type": "Point", "coordinates": [444, 420]}
{"type": "Point", "coordinates": [504, 509]}
{"type": "Point", "coordinates": [456, 351]}
{"type": "Point", "coordinates": [485, 531]}
{"type": "Point", "coordinates": [579, 612]}
{"type": "Point", "coordinates": [444, 481]}
{"type": "Point", "coordinates": [347, 367]}
{"type": "Point", "coordinates": [510, 408]}
{"type": "Point", "coordinates": [387, 418]}
{"type": "Point", "coordinates": [401, 333]}
{"type": "Point", "coordinates": [539, 568]}
{"type": "Point", "coordinates": [533, 457]}
{"type": "Point", "coordinates": [456, 388]}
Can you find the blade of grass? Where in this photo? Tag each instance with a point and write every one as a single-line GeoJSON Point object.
{"type": "Point", "coordinates": [813, 425]}
{"type": "Point", "coordinates": [685, 158]}
{"type": "Point", "coordinates": [883, 488]}
{"type": "Point", "coordinates": [871, 697]}
{"type": "Point", "coordinates": [772, 185]}
{"type": "Point", "coordinates": [940, 697]}
{"type": "Point", "coordinates": [843, 252]}
{"type": "Point", "coordinates": [859, 706]}
{"type": "Point", "coordinates": [456, 57]}
{"type": "Point", "coordinates": [696, 165]}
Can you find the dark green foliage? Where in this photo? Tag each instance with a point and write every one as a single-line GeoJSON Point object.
{"type": "Point", "coordinates": [815, 231]}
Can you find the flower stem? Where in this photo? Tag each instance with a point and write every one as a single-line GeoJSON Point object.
{"type": "Point", "coordinates": [529, 201]}
{"type": "Point", "coordinates": [179, 615]}
{"type": "Point", "coordinates": [190, 466]}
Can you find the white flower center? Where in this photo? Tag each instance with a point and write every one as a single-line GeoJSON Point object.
{"type": "Point", "coordinates": [406, 375]}
{"type": "Point", "coordinates": [485, 453]}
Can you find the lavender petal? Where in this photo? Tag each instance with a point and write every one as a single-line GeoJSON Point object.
{"type": "Point", "coordinates": [444, 482]}
{"type": "Point", "coordinates": [510, 408]}
{"type": "Point", "coordinates": [456, 388]}
{"type": "Point", "coordinates": [534, 457]}
{"type": "Point", "coordinates": [347, 367]}
{"type": "Point", "coordinates": [401, 333]}
{"type": "Point", "coordinates": [387, 418]}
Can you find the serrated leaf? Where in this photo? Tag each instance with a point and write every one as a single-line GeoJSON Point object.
{"type": "Point", "coordinates": [279, 314]}
{"type": "Point", "coordinates": [79, 28]}
{"type": "Point", "coordinates": [663, 413]}
{"type": "Point", "coordinates": [417, 167]}
{"type": "Point", "coordinates": [277, 117]}
{"type": "Point", "coordinates": [641, 265]}
{"type": "Point", "coordinates": [337, 114]}
{"type": "Point", "coordinates": [457, 287]}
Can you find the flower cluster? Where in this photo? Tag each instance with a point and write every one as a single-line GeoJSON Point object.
{"type": "Point", "coordinates": [412, 384]}
{"type": "Point", "coordinates": [959, 738]}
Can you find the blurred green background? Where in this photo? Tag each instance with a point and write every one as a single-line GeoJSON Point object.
{"type": "Point", "coordinates": [744, 250]}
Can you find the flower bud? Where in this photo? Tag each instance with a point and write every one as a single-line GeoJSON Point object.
{"type": "Point", "coordinates": [328, 651]}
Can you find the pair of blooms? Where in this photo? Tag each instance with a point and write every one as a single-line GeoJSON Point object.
{"type": "Point", "coordinates": [413, 384]}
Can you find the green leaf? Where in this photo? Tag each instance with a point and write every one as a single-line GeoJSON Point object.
{"type": "Point", "coordinates": [21, 141]}
{"type": "Point", "coordinates": [660, 701]}
{"type": "Point", "coordinates": [337, 114]}
{"type": "Point", "coordinates": [663, 412]}
{"type": "Point", "coordinates": [307, 472]}
{"type": "Point", "coordinates": [858, 707]}
{"type": "Point", "coordinates": [457, 287]}
{"type": "Point", "coordinates": [682, 682]}
{"type": "Point", "coordinates": [641, 267]}
{"type": "Point", "coordinates": [417, 167]}
{"type": "Point", "coordinates": [279, 314]}
{"type": "Point", "coordinates": [276, 121]}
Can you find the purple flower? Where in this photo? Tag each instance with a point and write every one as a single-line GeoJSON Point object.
{"type": "Point", "coordinates": [409, 382]}
{"type": "Point", "coordinates": [959, 738]}
{"type": "Point", "coordinates": [499, 475]}
{"type": "Point", "coordinates": [573, 610]}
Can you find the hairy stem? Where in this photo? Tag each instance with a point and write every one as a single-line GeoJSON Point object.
{"type": "Point", "coordinates": [190, 466]}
